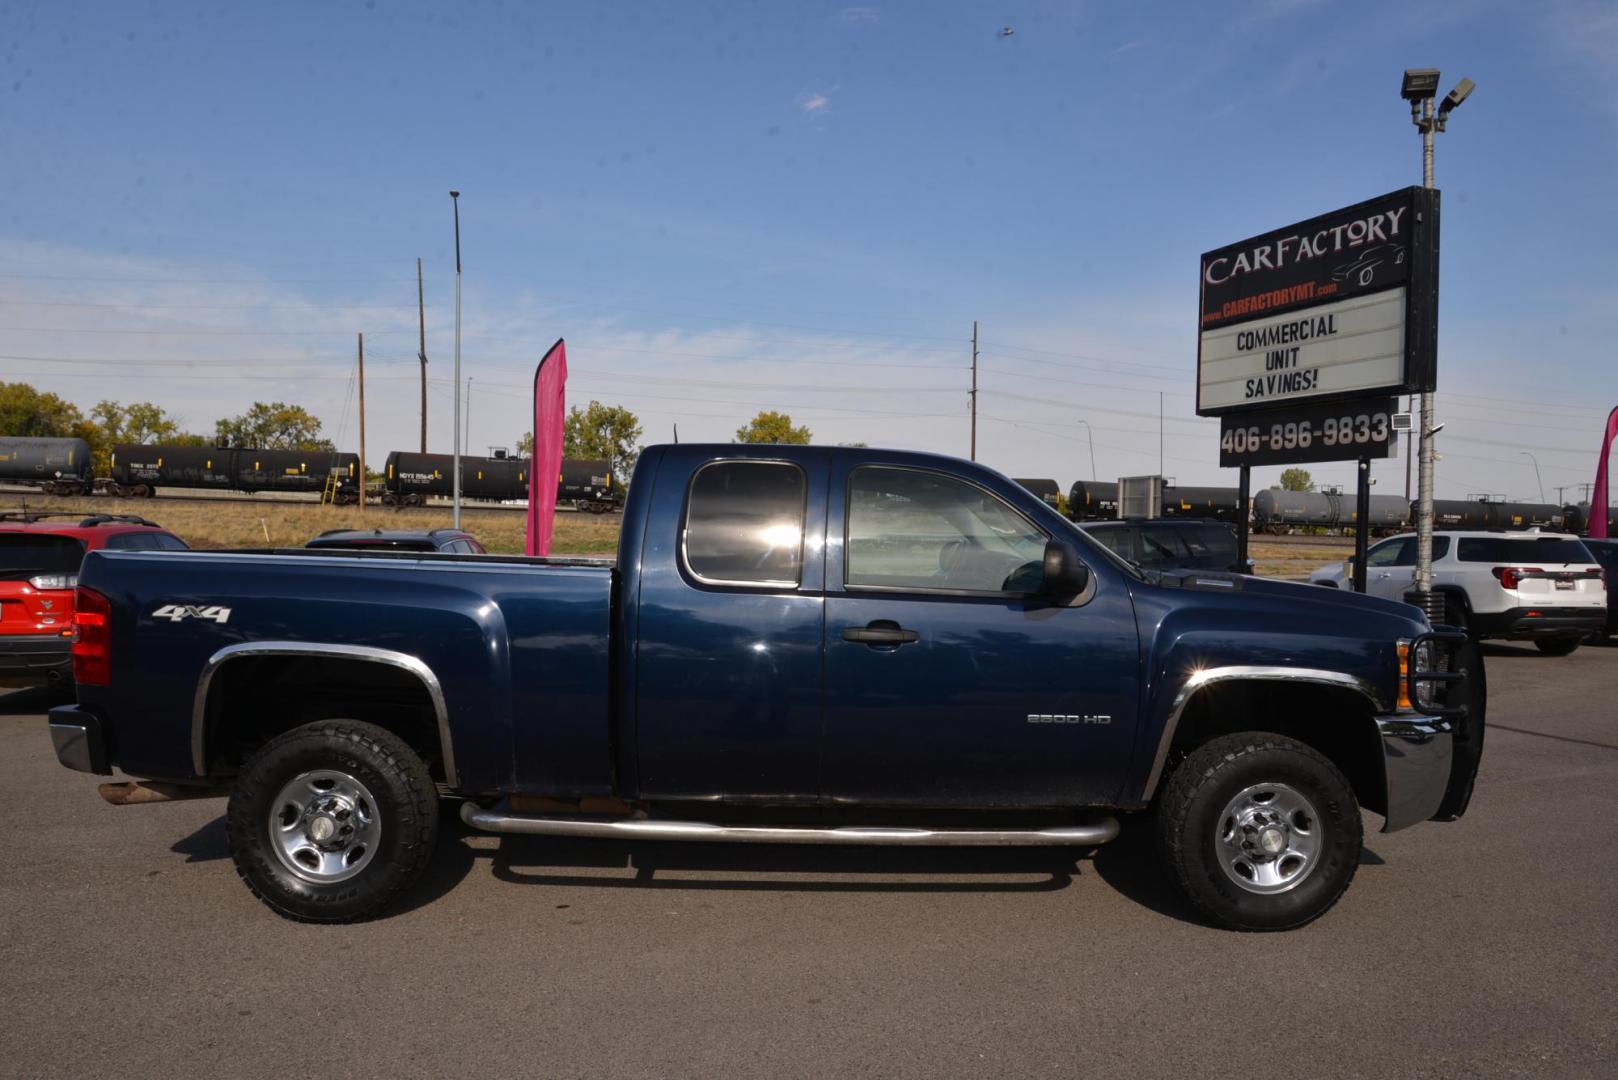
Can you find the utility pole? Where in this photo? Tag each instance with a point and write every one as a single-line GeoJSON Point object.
{"type": "Point", "coordinates": [421, 352]}
{"type": "Point", "coordinates": [455, 197]}
{"type": "Point", "coordinates": [466, 447]}
{"type": "Point", "coordinates": [974, 389]}
{"type": "Point", "coordinates": [1561, 488]}
{"type": "Point", "coordinates": [1160, 433]}
{"type": "Point", "coordinates": [362, 421]}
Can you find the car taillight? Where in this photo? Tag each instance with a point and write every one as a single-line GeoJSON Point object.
{"type": "Point", "coordinates": [92, 638]}
{"type": "Point", "coordinates": [1510, 576]}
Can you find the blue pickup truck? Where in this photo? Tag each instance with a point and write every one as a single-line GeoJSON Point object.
{"type": "Point", "coordinates": [794, 645]}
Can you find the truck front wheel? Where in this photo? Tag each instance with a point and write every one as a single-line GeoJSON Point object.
{"type": "Point", "coordinates": [330, 821]}
{"type": "Point", "coordinates": [1260, 831]}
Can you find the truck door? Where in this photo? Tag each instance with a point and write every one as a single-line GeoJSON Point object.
{"type": "Point", "coordinates": [949, 683]}
{"type": "Point", "coordinates": [727, 666]}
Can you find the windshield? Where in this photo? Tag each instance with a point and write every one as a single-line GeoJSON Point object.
{"type": "Point", "coordinates": [1100, 541]}
{"type": "Point", "coordinates": [26, 555]}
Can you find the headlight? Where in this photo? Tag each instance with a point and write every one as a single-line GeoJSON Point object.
{"type": "Point", "coordinates": [1427, 658]}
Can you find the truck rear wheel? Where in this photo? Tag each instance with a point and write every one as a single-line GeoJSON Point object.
{"type": "Point", "coordinates": [330, 821]}
{"type": "Point", "coordinates": [1260, 831]}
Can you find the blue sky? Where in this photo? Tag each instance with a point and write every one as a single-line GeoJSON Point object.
{"type": "Point", "coordinates": [731, 206]}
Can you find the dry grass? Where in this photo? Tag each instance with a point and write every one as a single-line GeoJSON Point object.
{"type": "Point", "coordinates": [224, 524]}
{"type": "Point", "coordinates": [1296, 560]}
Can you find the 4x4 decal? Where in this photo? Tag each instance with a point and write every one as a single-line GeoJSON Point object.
{"type": "Point", "coordinates": [181, 612]}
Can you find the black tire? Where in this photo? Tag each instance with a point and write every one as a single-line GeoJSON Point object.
{"type": "Point", "coordinates": [1455, 613]}
{"type": "Point", "coordinates": [405, 812]}
{"type": "Point", "coordinates": [1556, 646]}
{"type": "Point", "coordinates": [1191, 818]}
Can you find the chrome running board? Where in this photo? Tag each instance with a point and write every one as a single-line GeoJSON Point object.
{"type": "Point", "coordinates": [501, 821]}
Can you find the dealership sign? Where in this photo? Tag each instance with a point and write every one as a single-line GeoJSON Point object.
{"type": "Point", "coordinates": [1334, 309]}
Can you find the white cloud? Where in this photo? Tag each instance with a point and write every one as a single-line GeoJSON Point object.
{"type": "Point", "coordinates": [813, 103]}
{"type": "Point", "coordinates": [858, 15]}
{"type": "Point", "coordinates": [1127, 46]}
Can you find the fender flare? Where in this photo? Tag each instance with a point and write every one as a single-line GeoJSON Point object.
{"type": "Point", "coordinates": [365, 653]}
{"type": "Point", "coordinates": [1199, 680]}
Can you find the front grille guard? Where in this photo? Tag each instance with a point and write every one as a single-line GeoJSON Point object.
{"type": "Point", "coordinates": [1446, 642]}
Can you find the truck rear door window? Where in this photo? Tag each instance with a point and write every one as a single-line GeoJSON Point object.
{"type": "Point", "coordinates": [744, 524]}
{"type": "Point", "coordinates": [918, 530]}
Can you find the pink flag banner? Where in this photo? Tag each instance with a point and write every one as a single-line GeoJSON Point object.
{"type": "Point", "coordinates": [545, 470]}
{"type": "Point", "coordinates": [1598, 497]}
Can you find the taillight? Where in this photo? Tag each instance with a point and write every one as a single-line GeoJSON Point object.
{"type": "Point", "coordinates": [92, 638]}
{"type": "Point", "coordinates": [1510, 576]}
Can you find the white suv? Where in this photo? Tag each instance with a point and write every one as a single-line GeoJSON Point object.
{"type": "Point", "coordinates": [1540, 586]}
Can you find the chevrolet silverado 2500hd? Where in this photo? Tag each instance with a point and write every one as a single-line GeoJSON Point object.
{"type": "Point", "coordinates": [795, 644]}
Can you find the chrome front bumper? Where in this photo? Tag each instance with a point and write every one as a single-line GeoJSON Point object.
{"type": "Point", "coordinates": [1417, 762]}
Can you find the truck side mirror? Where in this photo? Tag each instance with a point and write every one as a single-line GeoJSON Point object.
{"type": "Point", "coordinates": [1065, 572]}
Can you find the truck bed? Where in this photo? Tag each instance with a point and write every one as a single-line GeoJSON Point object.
{"type": "Point", "coordinates": [517, 647]}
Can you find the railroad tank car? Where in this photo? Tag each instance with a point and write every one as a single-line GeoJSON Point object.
{"type": "Point", "coordinates": [59, 466]}
{"type": "Point", "coordinates": [1576, 519]}
{"type": "Point", "coordinates": [411, 478]}
{"type": "Point", "coordinates": [1089, 500]}
{"type": "Point", "coordinates": [589, 483]}
{"type": "Point", "coordinates": [140, 470]}
{"type": "Point", "coordinates": [1279, 512]}
{"type": "Point", "coordinates": [1478, 514]}
{"type": "Point", "coordinates": [1202, 502]}
{"type": "Point", "coordinates": [1048, 491]}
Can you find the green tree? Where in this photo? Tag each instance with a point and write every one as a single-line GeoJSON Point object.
{"type": "Point", "coordinates": [26, 412]}
{"type": "Point", "coordinates": [273, 425]}
{"type": "Point", "coordinates": [770, 426]}
{"type": "Point", "coordinates": [610, 432]}
{"type": "Point", "coordinates": [1297, 480]}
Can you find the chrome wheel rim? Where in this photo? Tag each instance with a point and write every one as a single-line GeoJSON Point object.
{"type": "Point", "coordinates": [324, 826]}
{"type": "Point", "coordinates": [1268, 839]}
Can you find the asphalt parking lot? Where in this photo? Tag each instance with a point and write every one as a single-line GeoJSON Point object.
{"type": "Point", "coordinates": [1488, 947]}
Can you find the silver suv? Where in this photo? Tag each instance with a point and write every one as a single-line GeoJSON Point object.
{"type": "Point", "coordinates": [1542, 587]}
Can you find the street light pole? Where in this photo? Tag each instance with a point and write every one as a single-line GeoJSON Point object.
{"type": "Point", "coordinates": [1537, 480]}
{"type": "Point", "coordinates": [455, 198]}
{"type": "Point", "coordinates": [1092, 437]}
{"type": "Point", "coordinates": [1419, 88]}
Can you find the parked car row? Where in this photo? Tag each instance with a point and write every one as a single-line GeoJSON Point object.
{"type": "Point", "coordinates": [1550, 588]}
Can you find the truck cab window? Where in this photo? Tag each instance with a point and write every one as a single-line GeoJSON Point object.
{"type": "Point", "coordinates": [744, 524]}
{"type": "Point", "coordinates": [914, 529]}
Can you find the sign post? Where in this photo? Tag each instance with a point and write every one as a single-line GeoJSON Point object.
{"type": "Point", "coordinates": [1308, 333]}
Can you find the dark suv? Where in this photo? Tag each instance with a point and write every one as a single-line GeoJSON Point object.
{"type": "Point", "coordinates": [1606, 553]}
{"type": "Point", "coordinates": [40, 555]}
{"type": "Point", "coordinates": [452, 541]}
{"type": "Point", "coordinates": [1170, 543]}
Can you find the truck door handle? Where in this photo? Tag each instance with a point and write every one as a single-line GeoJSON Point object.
{"type": "Point", "coordinates": [881, 632]}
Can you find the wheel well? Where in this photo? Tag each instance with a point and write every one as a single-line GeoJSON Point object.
{"type": "Point", "coordinates": [1337, 722]}
{"type": "Point", "coordinates": [252, 699]}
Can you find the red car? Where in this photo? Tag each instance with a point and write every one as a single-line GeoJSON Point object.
{"type": "Point", "coordinates": [39, 565]}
